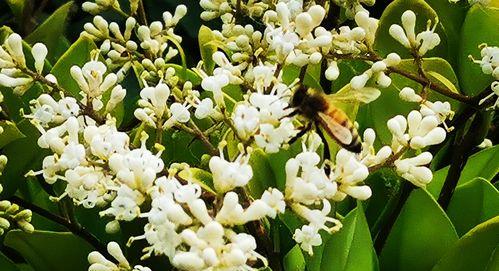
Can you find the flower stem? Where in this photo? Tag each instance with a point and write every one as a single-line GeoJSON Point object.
{"type": "Point", "coordinates": [463, 147]}
{"type": "Point", "coordinates": [404, 192]}
{"type": "Point", "coordinates": [73, 227]}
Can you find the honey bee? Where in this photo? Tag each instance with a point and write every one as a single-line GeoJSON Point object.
{"type": "Point", "coordinates": [319, 108]}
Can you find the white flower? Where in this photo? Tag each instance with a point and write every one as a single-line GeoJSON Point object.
{"type": "Point", "coordinates": [246, 120]}
{"type": "Point", "coordinates": [422, 42]}
{"type": "Point", "coordinates": [414, 170]}
{"type": "Point", "coordinates": [204, 109]}
{"type": "Point", "coordinates": [408, 94]}
{"type": "Point", "coordinates": [229, 175]}
{"type": "Point", "coordinates": [39, 52]}
{"type": "Point", "coordinates": [308, 237]}
{"type": "Point", "coordinates": [275, 200]}
{"type": "Point", "coordinates": [126, 204]}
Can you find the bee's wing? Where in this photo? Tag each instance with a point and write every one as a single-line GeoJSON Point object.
{"type": "Point", "coordinates": [363, 95]}
{"type": "Point", "coordinates": [341, 133]}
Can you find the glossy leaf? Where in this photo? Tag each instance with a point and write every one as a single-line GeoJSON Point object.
{"type": "Point", "coordinates": [51, 31]}
{"type": "Point", "coordinates": [476, 250]}
{"type": "Point", "coordinates": [473, 203]}
{"type": "Point", "coordinates": [50, 251]}
{"type": "Point", "coordinates": [484, 164]}
{"type": "Point", "coordinates": [199, 176]}
{"type": "Point", "coordinates": [6, 264]}
{"type": "Point", "coordinates": [207, 48]}
{"type": "Point", "coordinates": [421, 235]}
{"type": "Point", "coordinates": [263, 176]}
{"type": "Point", "coordinates": [473, 80]}
{"type": "Point", "coordinates": [294, 260]}
{"type": "Point", "coordinates": [351, 248]}
{"type": "Point", "coordinates": [78, 54]}
{"type": "Point", "coordinates": [10, 132]}
{"type": "Point", "coordinates": [23, 155]}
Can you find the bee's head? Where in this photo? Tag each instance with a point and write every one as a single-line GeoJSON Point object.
{"type": "Point", "coordinates": [298, 97]}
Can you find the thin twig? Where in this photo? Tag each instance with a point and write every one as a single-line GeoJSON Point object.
{"type": "Point", "coordinates": [463, 147]}
{"type": "Point", "coordinates": [404, 192]}
{"type": "Point", "coordinates": [75, 228]}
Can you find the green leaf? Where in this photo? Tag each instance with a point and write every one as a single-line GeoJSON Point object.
{"type": "Point", "coordinates": [484, 164]}
{"type": "Point", "coordinates": [263, 176]}
{"type": "Point", "coordinates": [189, 74]}
{"type": "Point", "coordinates": [7, 264]}
{"type": "Point", "coordinates": [351, 248]}
{"type": "Point", "coordinates": [199, 176]}
{"type": "Point", "coordinates": [421, 234]}
{"type": "Point", "coordinates": [17, 7]}
{"type": "Point", "coordinates": [294, 260]}
{"type": "Point", "coordinates": [51, 31]}
{"type": "Point", "coordinates": [10, 132]}
{"type": "Point", "coordinates": [385, 44]}
{"type": "Point", "coordinates": [312, 75]}
{"type": "Point", "coordinates": [476, 250]}
{"type": "Point", "coordinates": [473, 80]}
{"type": "Point", "coordinates": [473, 203]}
{"type": "Point", "coordinates": [24, 154]}
{"type": "Point", "coordinates": [278, 161]}
{"type": "Point", "coordinates": [50, 251]}
{"type": "Point", "coordinates": [78, 54]}
{"type": "Point", "coordinates": [207, 48]}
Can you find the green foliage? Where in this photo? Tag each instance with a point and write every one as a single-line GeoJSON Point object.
{"type": "Point", "coordinates": [294, 260]}
{"type": "Point", "coordinates": [10, 132]}
{"type": "Point", "coordinates": [50, 32]}
{"type": "Point", "coordinates": [473, 203]}
{"type": "Point", "coordinates": [421, 234]}
{"type": "Point", "coordinates": [484, 164]}
{"type": "Point", "coordinates": [477, 249]}
{"type": "Point", "coordinates": [351, 248]}
{"type": "Point", "coordinates": [7, 264]}
{"type": "Point", "coordinates": [78, 54]}
{"type": "Point", "coordinates": [50, 251]}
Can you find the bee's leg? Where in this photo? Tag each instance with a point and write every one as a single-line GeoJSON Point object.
{"type": "Point", "coordinates": [301, 133]}
{"type": "Point", "coordinates": [327, 154]}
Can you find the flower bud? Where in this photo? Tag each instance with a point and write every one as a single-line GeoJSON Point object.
{"type": "Point", "coordinates": [39, 52]}
{"type": "Point", "coordinates": [397, 32]}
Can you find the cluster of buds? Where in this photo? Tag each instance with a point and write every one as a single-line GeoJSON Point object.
{"type": "Point", "coordinates": [99, 263]}
{"type": "Point", "coordinates": [13, 70]}
{"type": "Point", "coordinates": [376, 73]}
{"type": "Point", "coordinates": [218, 8]}
{"type": "Point", "coordinates": [353, 7]}
{"type": "Point", "coordinates": [116, 45]}
{"type": "Point", "coordinates": [406, 34]}
{"type": "Point", "coordinates": [355, 40]}
{"type": "Point", "coordinates": [11, 213]}
{"type": "Point", "coordinates": [100, 5]}
{"type": "Point", "coordinates": [94, 82]}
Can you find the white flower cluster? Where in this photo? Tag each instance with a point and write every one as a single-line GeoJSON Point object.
{"type": "Point", "coordinates": [416, 131]}
{"type": "Point", "coordinates": [93, 82]}
{"type": "Point", "coordinates": [217, 8]}
{"type": "Point", "coordinates": [100, 5]}
{"type": "Point", "coordinates": [99, 263]}
{"type": "Point", "coordinates": [309, 188]}
{"type": "Point", "coordinates": [13, 70]}
{"type": "Point", "coordinates": [406, 35]}
{"type": "Point", "coordinates": [490, 65]}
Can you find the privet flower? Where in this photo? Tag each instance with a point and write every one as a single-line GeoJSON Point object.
{"type": "Point", "coordinates": [406, 35]}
